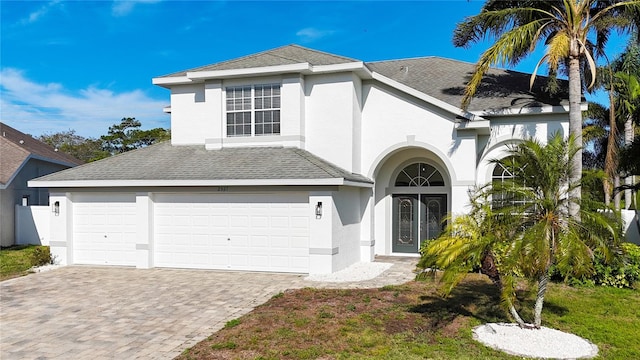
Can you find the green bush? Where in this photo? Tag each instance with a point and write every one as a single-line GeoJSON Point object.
{"type": "Point", "coordinates": [622, 272]}
{"type": "Point", "coordinates": [41, 256]}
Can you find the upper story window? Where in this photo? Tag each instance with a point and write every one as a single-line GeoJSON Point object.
{"type": "Point", "coordinates": [253, 110]}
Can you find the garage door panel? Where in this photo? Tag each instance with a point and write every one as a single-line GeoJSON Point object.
{"type": "Point", "coordinates": [104, 229]}
{"type": "Point", "coordinates": [245, 232]}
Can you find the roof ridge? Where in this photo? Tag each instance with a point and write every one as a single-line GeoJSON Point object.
{"type": "Point", "coordinates": [322, 52]}
{"type": "Point", "coordinates": [261, 53]}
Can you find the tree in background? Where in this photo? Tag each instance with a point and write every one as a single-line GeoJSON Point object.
{"type": "Point", "coordinates": [121, 137]}
{"type": "Point", "coordinates": [128, 136]}
{"type": "Point", "coordinates": [84, 149]}
{"type": "Point", "coordinates": [574, 32]}
{"type": "Point", "coordinates": [609, 129]}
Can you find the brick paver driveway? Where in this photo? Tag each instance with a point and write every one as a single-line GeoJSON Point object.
{"type": "Point", "coordinates": [81, 312]}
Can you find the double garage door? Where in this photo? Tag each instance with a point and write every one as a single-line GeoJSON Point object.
{"type": "Point", "coordinates": [257, 232]}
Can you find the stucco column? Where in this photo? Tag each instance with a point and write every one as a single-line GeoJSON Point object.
{"type": "Point", "coordinates": [460, 199]}
{"type": "Point", "coordinates": [367, 240]}
{"type": "Point", "coordinates": [144, 230]}
{"type": "Point", "coordinates": [61, 228]}
{"type": "Point", "coordinates": [321, 249]}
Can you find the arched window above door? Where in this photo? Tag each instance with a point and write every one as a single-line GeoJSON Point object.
{"type": "Point", "coordinates": [419, 174]}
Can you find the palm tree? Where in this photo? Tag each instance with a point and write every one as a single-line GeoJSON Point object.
{"type": "Point", "coordinates": [574, 33]}
{"type": "Point", "coordinates": [472, 240]}
{"type": "Point", "coordinates": [627, 88]}
{"type": "Point", "coordinates": [534, 231]}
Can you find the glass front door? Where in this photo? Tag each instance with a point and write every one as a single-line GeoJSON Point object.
{"type": "Point", "coordinates": [416, 218]}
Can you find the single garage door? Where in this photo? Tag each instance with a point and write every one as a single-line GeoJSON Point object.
{"type": "Point", "coordinates": [104, 229]}
{"type": "Point", "coordinates": [257, 232]}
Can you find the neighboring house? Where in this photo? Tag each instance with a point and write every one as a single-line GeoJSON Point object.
{"type": "Point", "coordinates": [23, 158]}
{"type": "Point", "coordinates": [295, 160]}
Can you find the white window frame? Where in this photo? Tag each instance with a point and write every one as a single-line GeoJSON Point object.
{"type": "Point", "coordinates": [250, 109]}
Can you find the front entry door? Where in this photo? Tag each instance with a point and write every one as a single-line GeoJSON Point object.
{"type": "Point", "coordinates": [416, 218]}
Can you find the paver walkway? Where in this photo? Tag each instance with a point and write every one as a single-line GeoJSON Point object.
{"type": "Point", "coordinates": [79, 312]}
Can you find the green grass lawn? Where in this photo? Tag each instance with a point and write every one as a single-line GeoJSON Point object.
{"type": "Point", "coordinates": [412, 321]}
{"type": "Point", "coordinates": [17, 260]}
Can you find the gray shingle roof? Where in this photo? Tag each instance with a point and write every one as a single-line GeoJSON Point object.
{"type": "Point", "coordinates": [445, 79]}
{"type": "Point", "coordinates": [441, 78]}
{"type": "Point", "coordinates": [165, 162]}
{"type": "Point", "coordinates": [286, 55]}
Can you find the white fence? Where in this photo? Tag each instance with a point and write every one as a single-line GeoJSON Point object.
{"type": "Point", "coordinates": [631, 226]}
{"type": "Point", "coordinates": [32, 225]}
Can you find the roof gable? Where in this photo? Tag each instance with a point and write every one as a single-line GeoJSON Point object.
{"type": "Point", "coordinates": [17, 147]}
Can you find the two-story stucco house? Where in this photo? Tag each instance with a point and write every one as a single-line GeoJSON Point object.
{"type": "Point", "coordinates": [295, 160]}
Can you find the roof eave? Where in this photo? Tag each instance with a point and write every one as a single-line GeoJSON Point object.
{"type": "Point", "coordinates": [532, 110]}
{"type": "Point", "coordinates": [305, 68]}
{"type": "Point", "coordinates": [192, 183]}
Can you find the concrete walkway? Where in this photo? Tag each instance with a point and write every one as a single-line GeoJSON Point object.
{"type": "Point", "coordinates": [79, 312]}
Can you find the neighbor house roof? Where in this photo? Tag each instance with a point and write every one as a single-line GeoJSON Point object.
{"type": "Point", "coordinates": [439, 78]}
{"type": "Point", "coordinates": [17, 148]}
{"type": "Point", "coordinates": [166, 165]}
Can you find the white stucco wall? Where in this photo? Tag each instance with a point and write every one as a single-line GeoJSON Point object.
{"type": "Point", "coordinates": [346, 219]}
{"type": "Point", "coordinates": [333, 116]}
{"type": "Point", "coordinates": [196, 111]}
{"type": "Point", "coordinates": [32, 224]}
{"type": "Point", "coordinates": [392, 121]}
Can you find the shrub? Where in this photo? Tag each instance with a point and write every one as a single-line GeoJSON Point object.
{"type": "Point", "coordinates": [622, 272]}
{"type": "Point", "coordinates": [41, 256]}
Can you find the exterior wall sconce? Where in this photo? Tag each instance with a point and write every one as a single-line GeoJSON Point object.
{"type": "Point", "coordinates": [318, 210]}
{"type": "Point", "coordinates": [56, 208]}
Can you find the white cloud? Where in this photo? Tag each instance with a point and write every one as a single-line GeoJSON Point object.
{"type": "Point", "coordinates": [311, 34]}
{"type": "Point", "coordinates": [44, 108]}
{"type": "Point", "coordinates": [125, 7]}
{"type": "Point", "coordinates": [38, 14]}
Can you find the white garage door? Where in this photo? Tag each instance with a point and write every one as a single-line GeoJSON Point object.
{"type": "Point", "coordinates": [257, 232]}
{"type": "Point", "coordinates": [104, 229]}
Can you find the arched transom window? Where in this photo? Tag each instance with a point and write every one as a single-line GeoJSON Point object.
{"type": "Point", "coordinates": [419, 174]}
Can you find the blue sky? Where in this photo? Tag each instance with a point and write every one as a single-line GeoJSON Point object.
{"type": "Point", "coordinates": [84, 65]}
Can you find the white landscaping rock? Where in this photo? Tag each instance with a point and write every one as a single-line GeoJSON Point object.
{"type": "Point", "coordinates": [536, 343]}
{"type": "Point", "coordinates": [37, 269]}
{"type": "Point", "coordinates": [357, 272]}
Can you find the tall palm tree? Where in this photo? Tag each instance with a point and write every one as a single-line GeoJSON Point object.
{"type": "Point", "coordinates": [533, 230]}
{"type": "Point", "coordinates": [573, 31]}
{"type": "Point", "coordinates": [627, 88]}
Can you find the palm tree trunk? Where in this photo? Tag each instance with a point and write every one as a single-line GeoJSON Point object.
{"type": "Point", "coordinates": [542, 289]}
{"type": "Point", "coordinates": [606, 187]}
{"type": "Point", "coordinates": [488, 267]}
{"type": "Point", "coordinates": [616, 196]}
{"type": "Point", "coordinates": [611, 157]}
{"type": "Point", "coordinates": [575, 129]}
{"type": "Point", "coordinates": [628, 139]}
